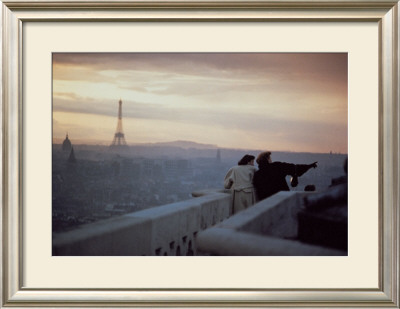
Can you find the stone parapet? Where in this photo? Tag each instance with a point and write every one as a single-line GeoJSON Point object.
{"type": "Point", "coordinates": [164, 230]}
{"type": "Point", "coordinates": [270, 227]}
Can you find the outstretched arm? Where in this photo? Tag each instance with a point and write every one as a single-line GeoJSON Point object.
{"type": "Point", "coordinates": [303, 168]}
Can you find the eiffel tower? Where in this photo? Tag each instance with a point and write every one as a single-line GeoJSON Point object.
{"type": "Point", "coordinates": [119, 136]}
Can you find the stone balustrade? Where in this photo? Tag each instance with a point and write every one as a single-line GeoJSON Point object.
{"type": "Point", "coordinates": [269, 227]}
{"type": "Point", "coordinates": [164, 230]}
{"type": "Point", "coordinates": [199, 226]}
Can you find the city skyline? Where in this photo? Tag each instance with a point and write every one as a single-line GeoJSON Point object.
{"type": "Point", "coordinates": [287, 102]}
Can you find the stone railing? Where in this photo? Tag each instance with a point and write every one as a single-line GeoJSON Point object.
{"type": "Point", "coordinates": [164, 230]}
{"type": "Point", "coordinates": [270, 227]}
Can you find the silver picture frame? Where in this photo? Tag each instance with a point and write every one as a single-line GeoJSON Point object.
{"type": "Point", "coordinates": [16, 13]}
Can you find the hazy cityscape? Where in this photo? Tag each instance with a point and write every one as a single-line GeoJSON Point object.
{"type": "Point", "coordinates": [182, 121]}
{"type": "Point", "coordinates": [93, 182]}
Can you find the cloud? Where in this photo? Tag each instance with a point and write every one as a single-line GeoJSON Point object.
{"type": "Point", "coordinates": [332, 66]}
{"type": "Point", "coordinates": [244, 115]}
{"type": "Point", "coordinates": [206, 74]}
{"type": "Point", "coordinates": [130, 109]}
{"type": "Point", "coordinates": [292, 98]}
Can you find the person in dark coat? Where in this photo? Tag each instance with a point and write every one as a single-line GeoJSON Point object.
{"type": "Point", "coordinates": [270, 177]}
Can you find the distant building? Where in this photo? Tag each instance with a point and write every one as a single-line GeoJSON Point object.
{"type": "Point", "coordinates": [176, 168]}
{"type": "Point", "coordinates": [67, 146]}
{"type": "Point", "coordinates": [71, 158]}
{"type": "Point", "coordinates": [218, 156]}
{"type": "Point", "coordinates": [149, 167]}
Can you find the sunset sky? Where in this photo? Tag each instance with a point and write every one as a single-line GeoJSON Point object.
{"type": "Point", "coordinates": [288, 102]}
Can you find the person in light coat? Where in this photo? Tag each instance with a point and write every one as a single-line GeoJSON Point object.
{"type": "Point", "coordinates": [240, 180]}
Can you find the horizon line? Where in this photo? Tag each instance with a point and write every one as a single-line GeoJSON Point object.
{"type": "Point", "coordinates": [215, 147]}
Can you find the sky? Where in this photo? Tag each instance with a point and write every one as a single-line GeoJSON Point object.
{"type": "Point", "coordinates": [271, 101]}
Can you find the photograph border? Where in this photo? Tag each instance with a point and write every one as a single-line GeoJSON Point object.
{"type": "Point", "coordinates": [16, 13]}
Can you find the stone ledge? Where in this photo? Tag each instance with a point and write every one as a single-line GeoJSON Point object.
{"type": "Point", "coordinates": [269, 227]}
{"type": "Point", "coordinates": [223, 241]}
{"type": "Point", "coordinates": [164, 230]}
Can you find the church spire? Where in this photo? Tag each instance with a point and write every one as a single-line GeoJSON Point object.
{"type": "Point", "coordinates": [72, 158]}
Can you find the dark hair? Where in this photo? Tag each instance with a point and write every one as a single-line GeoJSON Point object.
{"type": "Point", "coordinates": [246, 159]}
{"type": "Point", "coordinates": [262, 158]}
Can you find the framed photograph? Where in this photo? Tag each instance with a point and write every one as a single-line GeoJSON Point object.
{"type": "Point", "coordinates": [108, 90]}
{"type": "Point", "coordinates": [185, 121]}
